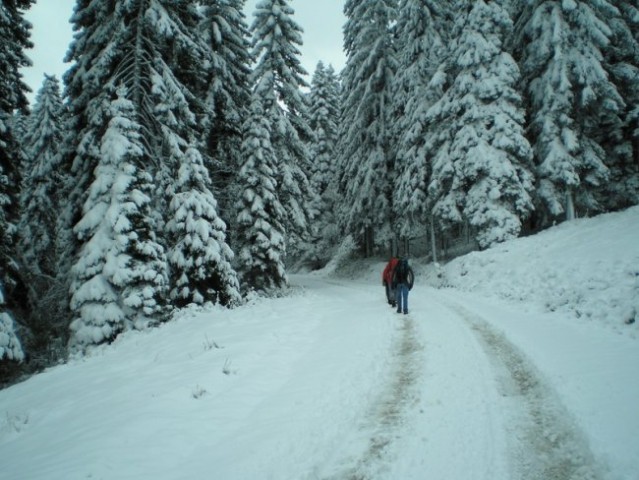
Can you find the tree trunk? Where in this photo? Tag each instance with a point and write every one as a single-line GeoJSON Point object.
{"type": "Point", "coordinates": [570, 206]}
{"type": "Point", "coordinates": [394, 246]}
{"type": "Point", "coordinates": [368, 241]}
{"type": "Point", "coordinates": [406, 246]}
{"type": "Point", "coordinates": [433, 243]}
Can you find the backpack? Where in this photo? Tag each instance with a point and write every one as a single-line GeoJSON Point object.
{"type": "Point", "coordinates": [401, 271]}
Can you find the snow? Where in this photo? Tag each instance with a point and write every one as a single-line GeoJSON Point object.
{"type": "Point", "coordinates": [10, 347]}
{"type": "Point", "coordinates": [494, 376]}
{"type": "Point", "coordinates": [587, 268]}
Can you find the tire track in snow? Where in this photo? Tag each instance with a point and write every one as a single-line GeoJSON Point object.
{"type": "Point", "coordinates": [389, 410]}
{"type": "Point", "coordinates": [547, 444]}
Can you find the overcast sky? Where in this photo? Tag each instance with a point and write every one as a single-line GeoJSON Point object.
{"type": "Point", "coordinates": [322, 21]}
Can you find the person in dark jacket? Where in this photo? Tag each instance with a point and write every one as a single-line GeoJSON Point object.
{"type": "Point", "coordinates": [403, 279]}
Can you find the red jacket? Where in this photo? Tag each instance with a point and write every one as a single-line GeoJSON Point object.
{"type": "Point", "coordinates": [387, 275]}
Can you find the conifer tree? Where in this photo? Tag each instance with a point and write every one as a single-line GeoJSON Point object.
{"type": "Point", "coordinates": [260, 222]}
{"type": "Point", "coordinates": [324, 123]}
{"type": "Point", "coordinates": [226, 91]}
{"type": "Point", "coordinates": [155, 50]}
{"type": "Point", "coordinates": [120, 274]}
{"type": "Point", "coordinates": [620, 136]}
{"type": "Point", "coordinates": [570, 98]}
{"type": "Point", "coordinates": [277, 80]}
{"type": "Point", "coordinates": [151, 47]}
{"type": "Point", "coordinates": [41, 179]}
{"type": "Point", "coordinates": [482, 160]}
{"type": "Point", "coordinates": [200, 259]}
{"type": "Point", "coordinates": [47, 292]}
{"type": "Point", "coordinates": [95, 23]}
{"type": "Point", "coordinates": [14, 35]}
{"type": "Point", "coordinates": [422, 33]}
{"type": "Point", "coordinates": [366, 169]}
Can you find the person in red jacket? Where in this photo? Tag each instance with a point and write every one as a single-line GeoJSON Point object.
{"type": "Point", "coordinates": [387, 281]}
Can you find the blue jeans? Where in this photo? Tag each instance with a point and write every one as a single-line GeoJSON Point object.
{"type": "Point", "coordinates": [402, 297]}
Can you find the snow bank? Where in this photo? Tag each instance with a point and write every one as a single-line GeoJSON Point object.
{"type": "Point", "coordinates": [587, 268]}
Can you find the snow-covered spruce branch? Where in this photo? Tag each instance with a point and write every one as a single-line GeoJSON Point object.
{"type": "Point", "coordinates": [129, 74]}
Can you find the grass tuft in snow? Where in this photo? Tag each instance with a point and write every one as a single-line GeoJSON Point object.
{"type": "Point", "coordinates": [14, 422]}
{"type": "Point", "coordinates": [226, 369]}
{"type": "Point", "coordinates": [198, 392]}
{"type": "Point", "coordinates": [210, 344]}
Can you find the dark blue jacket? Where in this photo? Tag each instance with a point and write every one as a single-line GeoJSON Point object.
{"type": "Point", "coordinates": [403, 274]}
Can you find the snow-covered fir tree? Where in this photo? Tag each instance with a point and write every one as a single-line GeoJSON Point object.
{"type": "Point", "coordinates": [277, 80]}
{"type": "Point", "coordinates": [14, 35]}
{"type": "Point", "coordinates": [119, 278]}
{"type": "Point", "coordinates": [621, 136]}
{"type": "Point", "coordinates": [48, 303]}
{"type": "Point", "coordinates": [571, 96]}
{"type": "Point", "coordinates": [41, 180]}
{"type": "Point", "coordinates": [155, 49]}
{"type": "Point", "coordinates": [261, 236]}
{"type": "Point", "coordinates": [95, 24]}
{"type": "Point", "coordinates": [324, 111]}
{"type": "Point", "coordinates": [323, 121]}
{"type": "Point", "coordinates": [366, 170]}
{"type": "Point", "coordinates": [8, 340]}
{"type": "Point", "coordinates": [482, 160]}
{"type": "Point", "coordinates": [422, 33]}
{"type": "Point", "coordinates": [226, 91]}
{"type": "Point", "coordinates": [200, 258]}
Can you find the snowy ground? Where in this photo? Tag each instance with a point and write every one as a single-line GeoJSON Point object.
{"type": "Point", "coordinates": [496, 377]}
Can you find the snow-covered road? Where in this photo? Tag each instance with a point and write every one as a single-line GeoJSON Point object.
{"type": "Point", "coordinates": [375, 394]}
{"type": "Point", "coordinates": [331, 383]}
{"type": "Point", "coordinates": [457, 400]}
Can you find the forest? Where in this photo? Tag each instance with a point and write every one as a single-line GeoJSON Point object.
{"type": "Point", "coordinates": [184, 158]}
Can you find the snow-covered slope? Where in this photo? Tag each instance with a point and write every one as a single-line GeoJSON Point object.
{"type": "Point", "coordinates": [587, 269]}
{"type": "Point", "coordinates": [480, 381]}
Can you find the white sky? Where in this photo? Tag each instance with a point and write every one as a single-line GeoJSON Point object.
{"type": "Point", "coordinates": [322, 22]}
